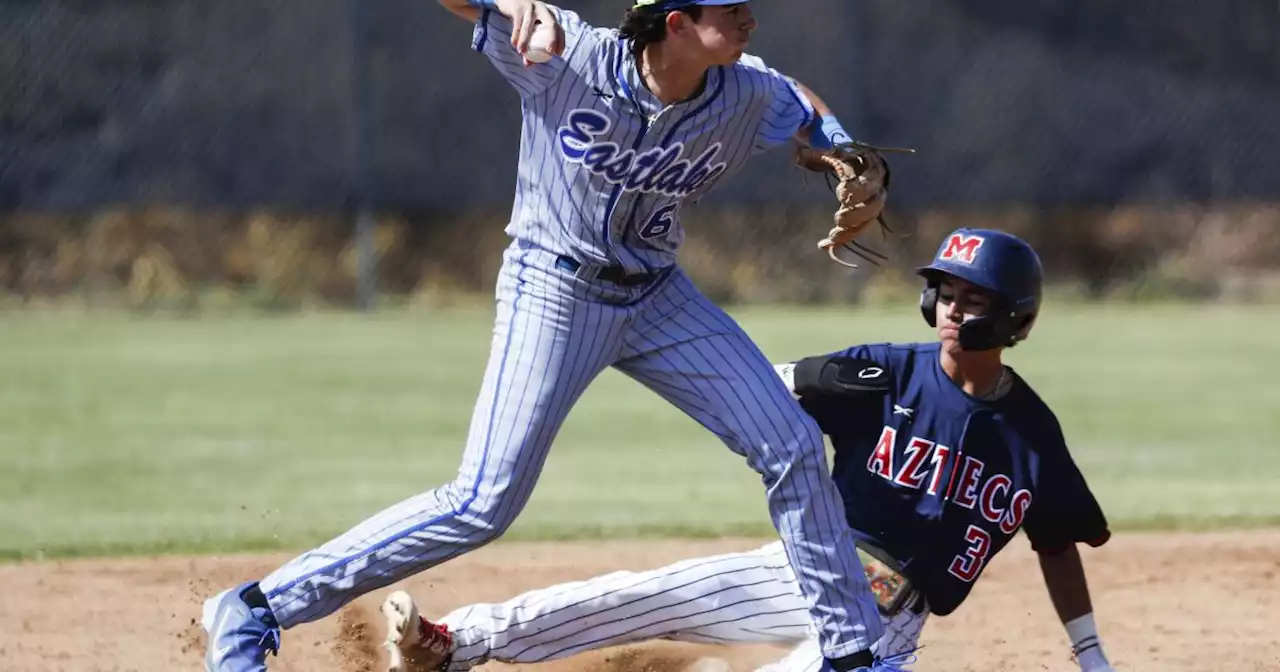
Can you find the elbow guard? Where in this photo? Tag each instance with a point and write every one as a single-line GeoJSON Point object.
{"type": "Point", "coordinates": [840, 376]}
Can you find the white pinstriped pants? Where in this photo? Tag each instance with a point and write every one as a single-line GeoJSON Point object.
{"type": "Point", "coordinates": [554, 333]}
{"type": "Point", "coordinates": [725, 599]}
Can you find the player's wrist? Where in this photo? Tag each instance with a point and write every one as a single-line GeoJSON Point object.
{"type": "Point", "coordinates": [787, 372]}
{"type": "Point", "coordinates": [483, 4]}
{"type": "Point", "coordinates": [1086, 645]}
{"type": "Point", "coordinates": [827, 132]}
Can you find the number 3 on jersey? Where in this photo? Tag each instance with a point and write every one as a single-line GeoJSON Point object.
{"type": "Point", "coordinates": [660, 223]}
{"type": "Point", "coordinates": [967, 565]}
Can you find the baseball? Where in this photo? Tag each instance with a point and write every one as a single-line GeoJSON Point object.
{"type": "Point", "coordinates": [540, 44]}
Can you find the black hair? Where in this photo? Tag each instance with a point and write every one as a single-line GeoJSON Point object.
{"type": "Point", "coordinates": [644, 26]}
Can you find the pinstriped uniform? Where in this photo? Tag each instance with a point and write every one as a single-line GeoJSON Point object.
{"type": "Point", "coordinates": [726, 599]}
{"type": "Point", "coordinates": [603, 171]}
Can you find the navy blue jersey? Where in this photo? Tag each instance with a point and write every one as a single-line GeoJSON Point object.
{"type": "Point", "coordinates": [942, 480]}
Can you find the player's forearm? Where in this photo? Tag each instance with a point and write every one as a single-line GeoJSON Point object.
{"type": "Point", "coordinates": [825, 131]}
{"type": "Point", "coordinates": [820, 106]}
{"type": "Point", "coordinates": [464, 9]}
{"type": "Point", "coordinates": [1069, 590]}
{"type": "Point", "coordinates": [469, 10]}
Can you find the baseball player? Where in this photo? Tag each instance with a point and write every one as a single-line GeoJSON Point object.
{"type": "Point", "coordinates": [621, 128]}
{"type": "Point", "coordinates": [942, 453]}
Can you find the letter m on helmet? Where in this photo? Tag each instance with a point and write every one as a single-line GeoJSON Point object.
{"type": "Point", "coordinates": [961, 248]}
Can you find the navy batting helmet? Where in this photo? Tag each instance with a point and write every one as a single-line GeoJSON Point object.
{"type": "Point", "coordinates": [996, 261]}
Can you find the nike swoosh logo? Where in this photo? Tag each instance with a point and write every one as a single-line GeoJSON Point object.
{"type": "Point", "coordinates": [221, 652]}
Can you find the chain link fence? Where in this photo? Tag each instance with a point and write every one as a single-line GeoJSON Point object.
{"type": "Point", "coordinates": [234, 144]}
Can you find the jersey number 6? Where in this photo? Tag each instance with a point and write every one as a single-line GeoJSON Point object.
{"type": "Point", "coordinates": [660, 223]}
{"type": "Point", "coordinates": [967, 566]}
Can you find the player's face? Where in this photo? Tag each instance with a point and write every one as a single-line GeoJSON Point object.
{"type": "Point", "coordinates": [958, 301]}
{"type": "Point", "coordinates": [722, 33]}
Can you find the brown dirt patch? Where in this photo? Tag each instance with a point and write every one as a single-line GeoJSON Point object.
{"type": "Point", "coordinates": [1165, 602]}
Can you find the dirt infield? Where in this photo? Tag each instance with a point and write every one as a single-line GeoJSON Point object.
{"type": "Point", "coordinates": [1165, 603]}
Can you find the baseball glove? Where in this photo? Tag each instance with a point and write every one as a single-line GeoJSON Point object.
{"type": "Point", "coordinates": [862, 179]}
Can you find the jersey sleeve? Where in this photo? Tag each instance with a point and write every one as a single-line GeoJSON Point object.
{"type": "Point", "coordinates": [492, 37]}
{"type": "Point", "coordinates": [784, 109]}
{"type": "Point", "coordinates": [1064, 511]}
{"type": "Point", "coordinates": [876, 352]}
{"type": "Point", "coordinates": [830, 413]}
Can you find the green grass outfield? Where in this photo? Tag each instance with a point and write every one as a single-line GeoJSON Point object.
{"type": "Point", "coordinates": [124, 434]}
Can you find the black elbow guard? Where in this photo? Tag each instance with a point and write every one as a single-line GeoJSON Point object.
{"type": "Point", "coordinates": [840, 376]}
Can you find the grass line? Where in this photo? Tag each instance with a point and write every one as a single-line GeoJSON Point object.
{"type": "Point", "coordinates": [126, 435]}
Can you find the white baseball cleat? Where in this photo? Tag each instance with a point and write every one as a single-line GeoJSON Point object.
{"type": "Point", "coordinates": [413, 643]}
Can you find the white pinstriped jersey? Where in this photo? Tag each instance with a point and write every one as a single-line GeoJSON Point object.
{"type": "Point", "coordinates": [604, 167]}
{"type": "Point", "coordinates": [603, 171]}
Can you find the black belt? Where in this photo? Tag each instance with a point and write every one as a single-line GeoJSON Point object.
{"type": "Point", "coordinates": [613, 273]}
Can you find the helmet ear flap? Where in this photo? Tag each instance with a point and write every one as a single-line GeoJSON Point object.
{"type": "Point", "coordinates": [1024, 328]}
{"type": "Point", "coordinates": [929, 304]}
